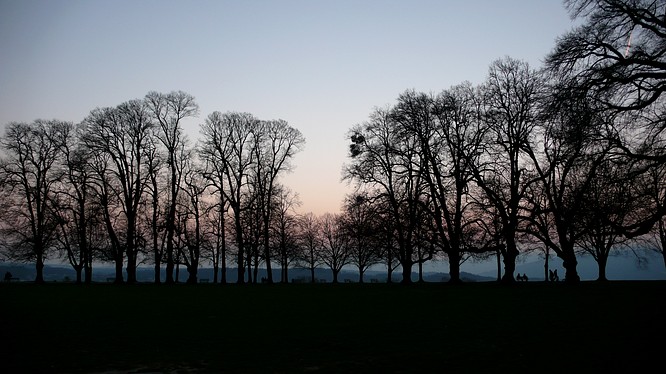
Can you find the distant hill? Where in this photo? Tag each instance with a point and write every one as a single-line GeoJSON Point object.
{"type": "Point", "coordinates": [618, 268]}
{"type": "Point", "coordinates": [61, 273]}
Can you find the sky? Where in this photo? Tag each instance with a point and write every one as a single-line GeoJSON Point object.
{"type": "Point", "coordinates": [320, 65]}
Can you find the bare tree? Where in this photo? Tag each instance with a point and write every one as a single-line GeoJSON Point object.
{"type": "Point", "coordinates": [192, 213]}
{"type": "Point", "coordinates": [285, 229]}
{"type": "Point", "coordinates": [277, 143]}
{"type": "Point", "coordinates": [386, 159]}
{"type": "Point", "coordinates": [360, 225]}
{"type": "Point", "coordinates": [227, 149]}
{"type": "Point", "coordinates": [119, 136]}
{"type": "Point", "coordinates": [168, 111]}
{"type": "Point", "coordinates": [77, 213]}
{"type": "Point", "coordinates": [617, 55]}
{"type": "Point", "coordinates": [29, 174]}
{"type": "Point", "coordinates": [510, 95]}
{"type": "Point", "coordinates": [309, 228]}
{"type": "Point", "coordinates": [334, 250]}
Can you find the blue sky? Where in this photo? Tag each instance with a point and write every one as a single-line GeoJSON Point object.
{"type": "Point", "coordinates": [320, 65]}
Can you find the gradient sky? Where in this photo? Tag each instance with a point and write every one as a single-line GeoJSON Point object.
{"type": "Point", "coordinates": [320, 65]}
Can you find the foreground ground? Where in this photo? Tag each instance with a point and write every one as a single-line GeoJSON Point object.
{"type": "Point", "coordinates": [350, 328]}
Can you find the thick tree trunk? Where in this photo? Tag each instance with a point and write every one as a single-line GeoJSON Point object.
{"type": "Point", "coordinates": [510, 261]}
{"type": "Point", "coordinates": [406, 272]}
{"type": "Point", "coordinates": [285, 271]}
{"type": "Point", "coordinates": [602, 261]}
{"type": "Point", "coordinates": [570, 263]}
{"type": "Point", "coordinates": [79, 275]}
{"type": "Point", "coordinates": [39, 269]}
{"type": "Point", "coordinates": [193, 274]}
{"type": "Point", "coordinates": [335, 275]}
{"type": "Point", "coordinates": [119, 267]}
{"type": "Point", "coordinates": [454, 267]}
{"type": "Point", "coordinates": [131, 265]}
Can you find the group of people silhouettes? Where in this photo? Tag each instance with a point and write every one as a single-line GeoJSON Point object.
{"type": "Point", "coordinates": [553, 277]}
{"type": "Point", "coordinates": [521, 278]}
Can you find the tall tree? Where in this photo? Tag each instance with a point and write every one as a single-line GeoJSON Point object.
{"type": "Point", "coordinates": [29, 174]}
{"type": "Point", "coordinates": [510, 96]}
{"type": "Point", "coordinates": [276, 145]}
{"type": "Point", "coordinates": [360, 225]}
{"type": "Point", "coordinates": [228, 150]}
{"type": "Point", "coordinates": [574, 140]}
{"type": "Point", "coordinates": [192, 214]}
{"type": "Point", "coordinates": [284, 229]}
{"type": "Point", "coordinates": [617, 54]}
{"type": "Point", "coordinates": [386, 159]}
{"type": "Point", "coordinates": [119, 135]}
{"type": "Point", "coordinates": [75, 209]}
{"type": "Point", "coordinates": [309, 228]}
{"type": "Point", "coordinates": [334, 249]}
{"type": "Point", "coordinates": [168, 112]}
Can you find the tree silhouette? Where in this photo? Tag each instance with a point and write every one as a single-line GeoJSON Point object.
{"type": "Point", "coordinates": [29, 175]}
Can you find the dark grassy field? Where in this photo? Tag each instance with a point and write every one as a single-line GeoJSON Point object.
{"type": "Point", "coordinates": [470, 328]}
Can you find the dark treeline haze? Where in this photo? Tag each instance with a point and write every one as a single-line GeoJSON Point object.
{"type": "Point", "coordinates": [565, 159]}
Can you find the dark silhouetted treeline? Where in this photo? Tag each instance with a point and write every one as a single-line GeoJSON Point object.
{"type": "Point", "coordinates": [567, 159]}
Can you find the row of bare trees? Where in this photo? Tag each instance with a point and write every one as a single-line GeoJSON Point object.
{"type": "Point", "coordinates": [568, 158]}
{"type": "Point", "coordinates": [125, 186]}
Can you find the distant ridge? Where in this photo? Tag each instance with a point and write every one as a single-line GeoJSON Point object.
{"type": "Point", "coordinates": [62, 273]}
{"type": "Point", "coordinates": [618, 268]}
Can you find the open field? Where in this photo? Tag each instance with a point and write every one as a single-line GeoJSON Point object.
{"type": "Point", "coordinates": [324, 328]}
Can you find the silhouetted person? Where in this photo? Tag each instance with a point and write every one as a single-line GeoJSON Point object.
{"type": "Point", "coordinates": [519, 277]}
{"type": "Point", "coordinates": [525, 279]}
{"type": "Point", "coordinates": [8, 276]}
{"type": "Point", "coordinates": [556, 277]}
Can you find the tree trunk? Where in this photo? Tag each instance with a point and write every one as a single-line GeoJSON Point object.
{"type": "Point", "coordinates": [601, 262]}
{"type": "Point", "coordinates": [239, 242]}
{"type": "Point", "coordinates": [335, 275]}
{"type": "Point", "coordinates": [216, 269]}
{"type": "Point", "coordinates": [312, 274]}
{"type": "Point", "coordinates": [169, 263]}
{"type": "Point", "coordinates": [131, 265]}
{"type": "Point", "coordinates": [131, 252]}
{"type": "Point", "coordinates": [545, 268]}
{"type": "Point", "coordinates": [39, 268]}
{"type": "Point", "coordinates": [79, 271]}
{"type": "Point", "coordinates": [88, 268]}
{"type": "Point", "coordinates": [157, 279]}
{"type": "Point", "coordinates": [223, 274]}
{"type": "Point", "coordinates": [193, 272]}
{"type": "Point", "coordinates": [510, 261]}
{"type": "Point", "coordinates": [454, 267]}
{"type": "Point", "coordinates": [119, 267]}
{"type": "Point", "coordinates": [499, 265]}
{"type": "Point", "coordinates": [406, 272]}
{"type": "Point", "coordinates": [569, 263]}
